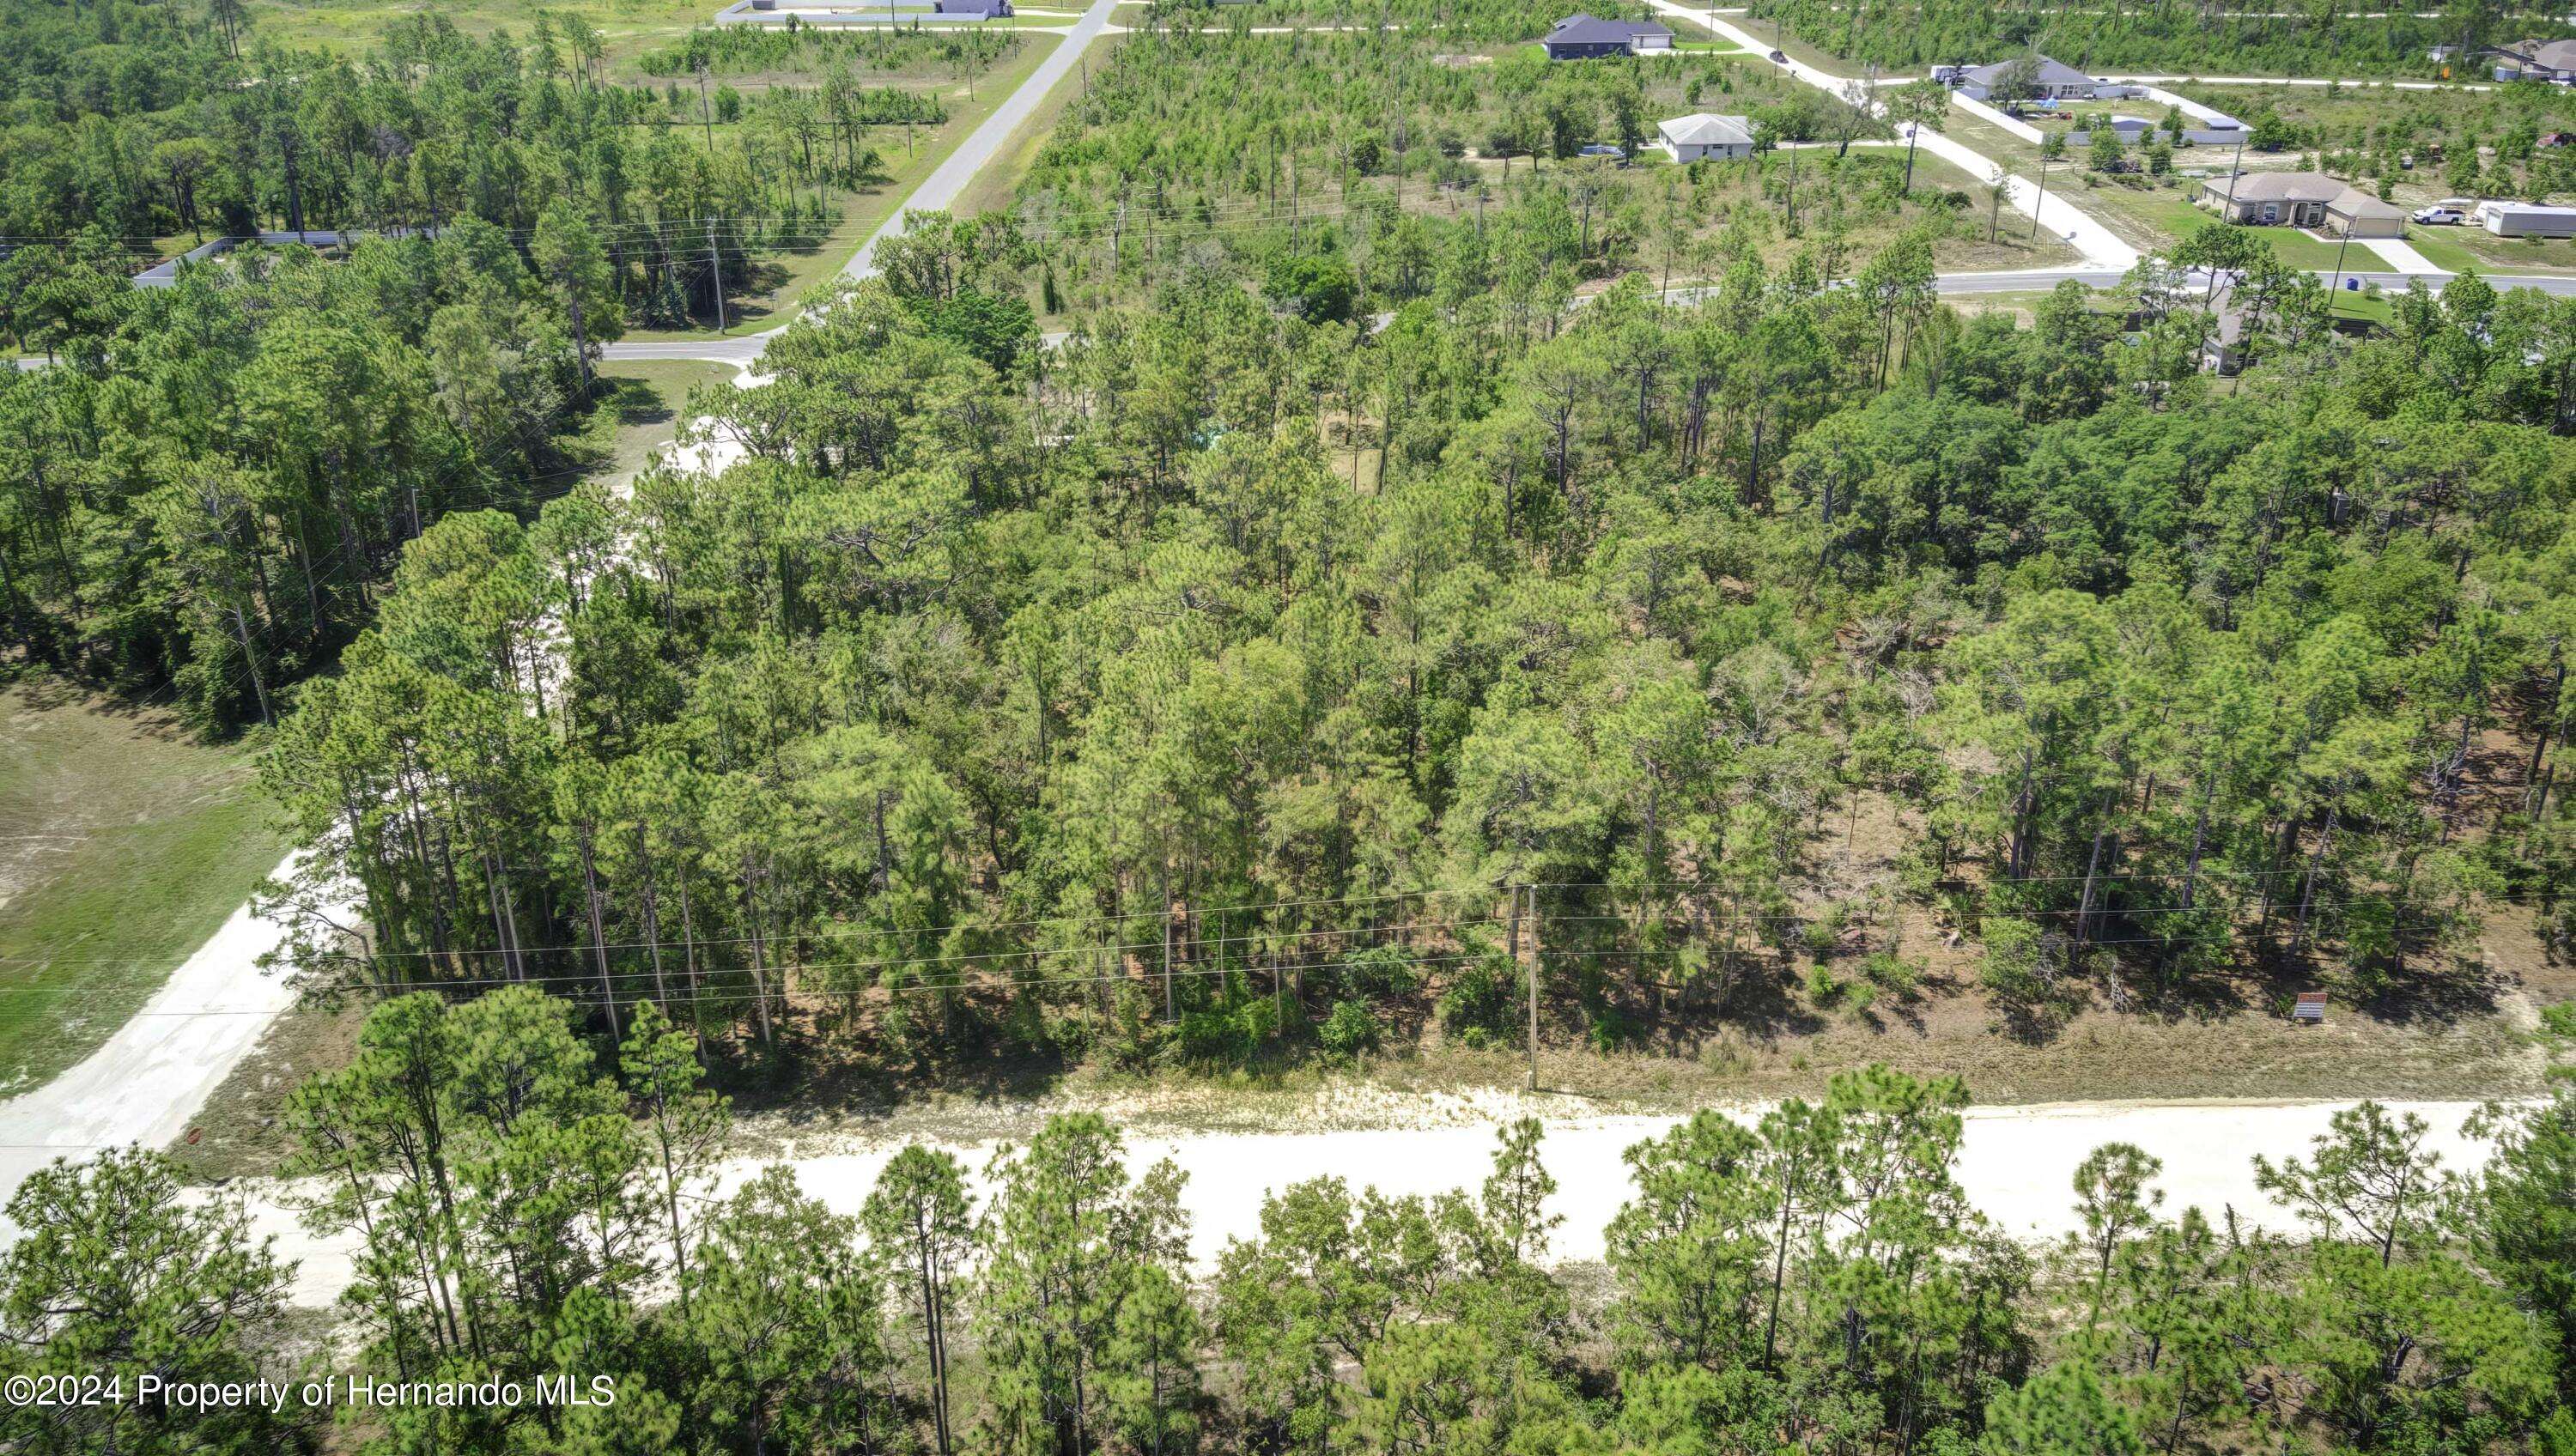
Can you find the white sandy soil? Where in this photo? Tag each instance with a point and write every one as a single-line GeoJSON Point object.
{"type": "Point", "coordinates": [2016, 1166]}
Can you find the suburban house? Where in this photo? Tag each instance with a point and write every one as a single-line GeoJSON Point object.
{"type": "Point", "coordinates": [2049, 81]}
{"type": "Point", "coordinates": [2302, 199]}
{"type": "Point", "coordinates": [1701, 137]}
{"type": "Point", "coordinates": [2536, 60]}
{"type": "Point", "coordinates": [1585, 37]}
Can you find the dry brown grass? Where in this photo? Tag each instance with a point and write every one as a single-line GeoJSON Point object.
{"type": "Point", "coordinates": [242, 1129]}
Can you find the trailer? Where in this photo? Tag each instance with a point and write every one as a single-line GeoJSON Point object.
{"type": "Point", "coordinates": [2526, 220]}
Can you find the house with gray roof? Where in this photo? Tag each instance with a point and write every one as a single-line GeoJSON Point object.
{"type": "Point", "coordinates": [2302, 199]}
{"type": "Point", "coordinates": [2049, 81]}
{"type": "Point", "coordinates": [1701, 137]}
{"type": "Point", "coordinates": [2536, 60]}
{"type": "Point", "coordinates": [1586, 37]}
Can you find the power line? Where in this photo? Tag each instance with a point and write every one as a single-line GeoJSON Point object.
{"type": "Point", "coordinates": [784, 992]}
{"type": "Point", "coordinates": [852, 932]}
{"type": "Point", "coordinates": [1034, 953]}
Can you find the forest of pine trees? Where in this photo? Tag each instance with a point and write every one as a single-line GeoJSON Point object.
{"type": "Point", "coordinates": [1307, 646]}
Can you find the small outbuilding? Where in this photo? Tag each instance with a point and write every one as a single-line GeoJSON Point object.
{"type": "Point", "coordinates": [2525, 220]}
{"type": "Point", "coordinates": [1702, 137]}
{"type": "Point", "coordinates": [1588, 37]}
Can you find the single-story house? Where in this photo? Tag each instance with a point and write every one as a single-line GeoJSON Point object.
{"type": "Point", "coordinates": [2535, 60]}
{"type": "Point", "coordinates": [2302, 199]}
{"type": "Point", "coordinates": [1585, 37]}
{"type": "Point", "coordinates": [2050, 81]}
{"type": "Point", "coordinates": [1701, 137]}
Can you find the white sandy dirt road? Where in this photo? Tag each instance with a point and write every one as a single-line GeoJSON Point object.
{"type": "Point", "coordinates": [145, 1083]}
{"type": "Point", "coordinates": [2015, 1165]}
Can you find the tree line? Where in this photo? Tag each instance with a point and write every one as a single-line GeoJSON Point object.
{"type": "Point", "coordinates": [198, 502]}
{"type": "Point", "coordinates": [522, 1206]}
{"type": "Point", "coordinates": [688, 190]}
{"type": "Point", "coordinates": [2203, 37]}
{"type": "Point", "coordinates": [1083, 707]}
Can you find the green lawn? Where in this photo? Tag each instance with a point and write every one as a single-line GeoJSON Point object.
{"type": "Point", "coordinates": [123, 846]}
{"type": "Point", "coordinates": [641, 401]}
{"type": "Point", "coordinates": [2462, 248]}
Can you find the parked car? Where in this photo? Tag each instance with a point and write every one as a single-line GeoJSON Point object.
{"type": "Point", "coordinates": [2450, 212]}
{"type": "Point", "coordinates": [1603, 149]}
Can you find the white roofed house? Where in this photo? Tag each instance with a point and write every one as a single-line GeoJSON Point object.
{"type": "Point", "coordinates": [1702, 137]}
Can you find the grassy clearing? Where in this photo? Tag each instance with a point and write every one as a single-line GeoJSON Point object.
{"type": "Point", "coordinates": [2357, 116]}
{"type": "Point", "coordinates": [243, 1126]}
{"type": "Point", "coordinates": [123, 846]}
{"type": "Point", "coordinates": [627, 27]}
{"type": "Point", "coordinates": [641, 401]}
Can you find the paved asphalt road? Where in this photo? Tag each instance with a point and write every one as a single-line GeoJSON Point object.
{"type": "Point", "coordinates": [937, 192]}
{"type": "Point", "coordinates": [941, 188]}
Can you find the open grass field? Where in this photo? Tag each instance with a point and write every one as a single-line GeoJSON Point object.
{"type": "Point", "coordinates": [628, 30]}
{"type": "Point", "coordinates": [627, 27]}
{"type": "Point", "coordinates": [123, 846]}
{"type": "Point", "coordinates": [641, 404]}
{"type": "Point", "coordinates": [2357, 116]}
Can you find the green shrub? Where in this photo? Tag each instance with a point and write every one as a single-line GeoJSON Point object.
{"type": "Point", "coordinates": [1380, 973]}
{"type": "Point", "coordinates": [1823, 987]}
{"type": "Point", "coordinates": [1350, 1032]}
{"type": "Point", "coordinates": [1477, 1007]}
{"type": "Point", "coordinates": [1891, 972]}
{"type": "Point", "coordinates": [1227, 1036]}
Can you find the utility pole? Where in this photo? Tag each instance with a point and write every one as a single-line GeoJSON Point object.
{"type": "Point", "coordinates": [2039, 204]}
{"type": "Point", "coordinates": [1525, 950]}
{"type": "Point", "coordinates": [715, 260]}
{"type": "Point", "coordinates": [2226, 214]}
